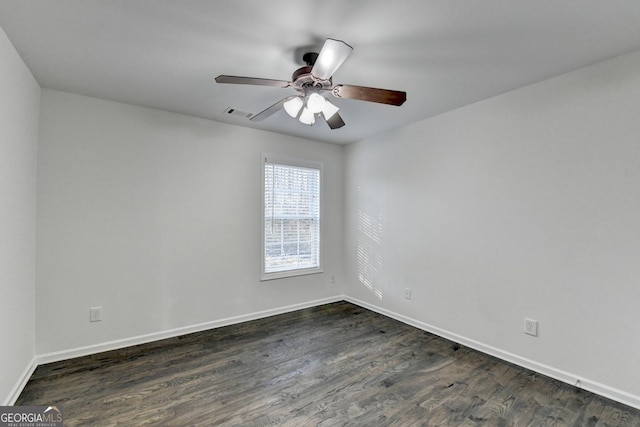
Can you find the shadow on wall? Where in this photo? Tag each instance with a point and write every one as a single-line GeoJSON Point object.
{"type": "Point", "coordinates": [370, 259]}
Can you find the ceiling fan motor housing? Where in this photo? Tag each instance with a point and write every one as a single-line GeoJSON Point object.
{"type": "Point", "coordinates": [303, 81]}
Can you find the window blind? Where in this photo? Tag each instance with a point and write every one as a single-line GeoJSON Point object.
{"type": "Point", "coordinates": [291, 217]}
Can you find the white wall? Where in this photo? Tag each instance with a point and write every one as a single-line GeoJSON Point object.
{"type": "Point", "coordinates": [155, 217]}
{"type": "Point", "coordinates": [524, 205]}
{"type": "Point", "coordinates": [19, 103]}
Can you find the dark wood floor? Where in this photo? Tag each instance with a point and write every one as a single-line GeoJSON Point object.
{"type": "Point", "coordinates": [334, 365]}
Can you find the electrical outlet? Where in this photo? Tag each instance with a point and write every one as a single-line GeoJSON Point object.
{"type": "Point", "coordinates": [95, 314]}
{"type": "Point", "coordinates": [333, 278]}
{"type": "Point", "coordinates": [407, 293]}
{"type": "Point", "coordinates": [531, 327]}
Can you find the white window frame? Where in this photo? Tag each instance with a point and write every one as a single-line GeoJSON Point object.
{"type": "Point", "coordinates": [276, 159]}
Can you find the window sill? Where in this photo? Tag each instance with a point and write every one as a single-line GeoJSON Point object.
{"type": "Point", "coordinates": [289, 273]}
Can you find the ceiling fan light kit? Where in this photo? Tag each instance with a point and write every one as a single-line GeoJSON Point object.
{"type": "Point", "coordinates": [307, 117]}
{"type": "Point", "coordinates": [315, 102]}
{"type": "Point", "coordinates": [314, 79]}
{"type": "Point", "coordinates": [329, 109]}
{"type": "Point", "coordinates": [293, 106]}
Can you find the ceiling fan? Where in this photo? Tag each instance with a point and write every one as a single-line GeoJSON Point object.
{"type": "Point", "coordinates": [312, 81]}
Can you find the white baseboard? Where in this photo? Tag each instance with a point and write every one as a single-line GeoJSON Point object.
{"type": "Point", "coordinates": [142, 339]}
{"type": "Point", "coordinates": [566, 377]}
{"type": "Point", "coordinates": [22, 382]}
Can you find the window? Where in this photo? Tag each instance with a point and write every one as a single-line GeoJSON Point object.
{"type": "Point", "coordinates": [291, 218]}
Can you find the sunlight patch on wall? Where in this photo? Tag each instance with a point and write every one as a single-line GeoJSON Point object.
{"type": "Point", "coordinates": [369, 251]}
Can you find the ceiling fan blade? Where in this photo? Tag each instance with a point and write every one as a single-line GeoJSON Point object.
{"type": "Point", "coordinates": [371, 94]}
{"type": "Point", "coordinates": [252, 81]}
{"type": "Point", "coordinates": [332, 55]}
{"type": "Point", "coordinates": [270, 110]}
{"type": "Point", "coordinates": [335, 121]}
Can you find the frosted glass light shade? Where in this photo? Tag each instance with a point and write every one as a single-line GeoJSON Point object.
{"type": "Point", "coordinates": [293, 106]}
{"type": "Point", "coordinates": [315, 102]}
{"type": "Point", "coordinates": [332, 55]}
{"type": "Point", "coordinates": [307, 117]}
{"type": "Point", "coordinates": [329, 110]}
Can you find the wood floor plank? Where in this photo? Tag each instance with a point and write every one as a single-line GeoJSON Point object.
{"type": "Point", "coordinates": [333, 365]}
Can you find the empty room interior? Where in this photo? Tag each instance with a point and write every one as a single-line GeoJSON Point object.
{"type": "Point", "coordinates": [466, 196]}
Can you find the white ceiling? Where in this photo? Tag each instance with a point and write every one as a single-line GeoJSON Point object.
{"type": "Point", "coordinates": [445, 54]}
